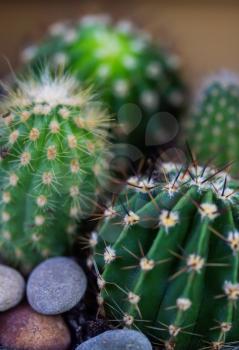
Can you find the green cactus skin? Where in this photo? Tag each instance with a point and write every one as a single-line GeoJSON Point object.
{"type": "Point", "coordinates": [213, 127]}
{"type": "Point", "coordinates": [51, 140]}
{"type": "Point", "coordinates": [122, 63]}
{"type": "Point", "coordinates": [168, 258]}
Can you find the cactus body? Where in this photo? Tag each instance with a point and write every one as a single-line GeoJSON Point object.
{"type": "Point", "coordinates": [51, 139]}
{"type": "Point", "coordinates": [122, 64]}
{"type": "Point", "coordinates": [168, 251]}
{"type": "Point", "coordinates": [214, 124]}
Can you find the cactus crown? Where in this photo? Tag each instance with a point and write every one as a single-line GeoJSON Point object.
{"type": "Point", "coordinates": [51, 140]}
{"type": "Point", "coordinates": [168, 250]}
{"type": "Point", "coordinates": [214, 124]}
{"type": "Point", "coordinates": [121, 61]}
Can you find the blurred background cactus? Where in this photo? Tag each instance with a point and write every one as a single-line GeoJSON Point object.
{"type": "Point", "coordinates": [213, 127]}
{"type": "Point", "coordinates": [52, 137]}
{"type": "Point", "coordinates": [168, 252]}
{"type": "Point", "coordinates": [134, 77]}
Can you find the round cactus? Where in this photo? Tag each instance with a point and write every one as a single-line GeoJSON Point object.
{"type": "Point", "coordinates": [168, 254]}
{"type": "Point", "coordinates": [125, 66]}
{"type": "Point", "coordinates": [51, 139]}
{"type": "Point", "coordinates": [214, 126]}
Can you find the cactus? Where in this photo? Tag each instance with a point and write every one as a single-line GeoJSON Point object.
{"type": "Point", "coordinates": [214, 126]}
{"type": "Point", "coordinates": [51, 140]}
{"type": "Point", "coordinates": [168, 254]}
{"type": "Point", "coordinates": [124, 65]}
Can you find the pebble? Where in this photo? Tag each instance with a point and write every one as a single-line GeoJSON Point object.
{"type": "Point", "coordinates": [12, 288]}
{"type": "Point", "coordinates": [22, 328]}
{"type": "Point", "coordinates": [56, 286]}
{"type": "Point", "coordinates": [123, 339]}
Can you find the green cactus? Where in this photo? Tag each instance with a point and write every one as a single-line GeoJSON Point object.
{"type": "Point", "coordinates": [168, 257]}
{"type": "Point", "coordinates": [51, 139]}
{"type": "Point", "coordinates": [124, 65]}
{"type": "Point", "coordinates": [214, 126]}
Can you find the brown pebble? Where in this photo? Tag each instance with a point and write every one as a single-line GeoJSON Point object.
{"type": "Point", "coordinates": [22, 328]}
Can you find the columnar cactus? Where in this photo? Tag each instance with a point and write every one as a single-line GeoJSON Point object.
{"type": "Point", "coordinates": [124, 65]}
{"type": "Point", "coordinates": [214, 124]}
{"type": "Point", "coordinates": [168, 250]}
{"type": "Point", "coordinates": [51, 140]}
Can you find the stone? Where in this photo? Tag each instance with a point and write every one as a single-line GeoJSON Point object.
{"type": "Point", "coordinates": [22, 328]}
{"type": "Point", "coordinates": [56, 286]}
{"type": "Point", "coordinates": [122, 339]}
{"type": "Point", "coordinates": [12, 288]}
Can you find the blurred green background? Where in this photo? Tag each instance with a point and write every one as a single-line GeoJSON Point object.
{"type": "Point", "coordinates": [204, 32]}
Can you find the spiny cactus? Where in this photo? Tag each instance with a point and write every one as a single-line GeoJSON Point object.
{"type": "Point", "coordinates": [124, 65]}
{"type": "Point", "coordinates": [51, 140]}
{"type": "Point", "coordinates": [168, 250]}
{"type": "Point", "coordinates": [214, 127]}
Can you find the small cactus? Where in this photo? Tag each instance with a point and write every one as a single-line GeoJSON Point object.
{"type": "Point", "coordinates": [214, 127]}
{"type": "Point", "coordinates": [124, 65]}
{"type": "Point", "coordinates": [168, 250]}
{"type": "Point", "coordinates": [51, 140]}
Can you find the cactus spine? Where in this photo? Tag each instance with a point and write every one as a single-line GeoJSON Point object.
{"type": "Point", "coordinates": [51, 140]}
{"type": "Point", "coordinates": [214, 126]}
{"type": "Point", "coordinates": [168, 250]}
{"type": "Point", "coordinates": [123, 64]}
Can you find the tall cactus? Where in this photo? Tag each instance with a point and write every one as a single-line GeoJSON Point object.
{"type": "Point", "coordinates": [214, 125]}
{"type": "Point", "coordinates": [51, 140]}
{"type": "Point", "coordinates": [124, 65]}
{"type": "Point", "coordinates": [168, 250]}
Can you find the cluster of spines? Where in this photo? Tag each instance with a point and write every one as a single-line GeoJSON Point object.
{"type": "Point", "coordinates": [206, 183]}
{"type": "Point", "coordinates": [47, 169]}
